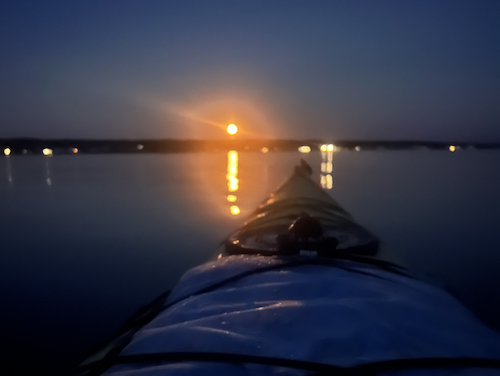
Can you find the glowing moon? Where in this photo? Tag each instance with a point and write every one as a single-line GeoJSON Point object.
{"type": "Point", "coordinates": [232, 129]}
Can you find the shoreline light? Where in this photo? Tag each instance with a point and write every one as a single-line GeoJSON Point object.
{"type": "Point", "coordinates": [264, 150]}
{"type": "Point", "coordinates": [328, 147]}
{"type": "Point", "coordinates": [7, 151]}
{"type": "Point", "coordinates": [232, 129]}
{"type": "Point", "coordinates": [47, 152]}
{"type": "Point", "coordinates": [452, 148]}
{"type": "Point", "coordinates": [305, 149]}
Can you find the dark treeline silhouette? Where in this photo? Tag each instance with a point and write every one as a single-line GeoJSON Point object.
{"type": "Point", "coordinates": [20, 146]}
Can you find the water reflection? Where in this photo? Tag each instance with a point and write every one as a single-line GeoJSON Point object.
{"type": "Point", "coordinates": [48, 170]}
{"type": "Point", "coordinates": [235, 210]}
{"type": "Point", "coordinates": [249, 190]}
{"type": "Point", "coordinates": [9, 168]}
{"type": "Point", "coordinates": [255, 166]}
{"type": "Point", "coordinates": [232, 180]}
{"type": "Point", "coordinates": [326, 178]}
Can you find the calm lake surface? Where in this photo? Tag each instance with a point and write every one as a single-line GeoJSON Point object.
{"type": "Point", "coordinates": [87, 239]}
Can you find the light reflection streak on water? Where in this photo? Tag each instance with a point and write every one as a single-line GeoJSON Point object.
{"type": "Point", "coordinates": [235, 210]}
{"type": "Point", "coordinates": [232, 180]}
{"type": "Point", "coordinates": [9, 169]}
{"type": "Point", "coordinates": [48, 172]}
{"type": "Point", "coordinates": [326, 178]}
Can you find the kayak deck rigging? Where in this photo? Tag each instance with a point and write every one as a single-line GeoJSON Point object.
{"type": "Point", "coordinates": [268, 230]}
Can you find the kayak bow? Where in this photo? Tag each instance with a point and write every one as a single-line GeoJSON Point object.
{"type": "Point", "coordinates": [301, 218]}
{"type": "Point", "coordinates": [300, 288]}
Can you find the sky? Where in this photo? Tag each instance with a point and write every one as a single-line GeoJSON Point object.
{"type": "Point", "coordinates": [386, 69]}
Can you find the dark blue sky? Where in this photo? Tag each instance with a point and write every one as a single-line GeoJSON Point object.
{"type": "Point", "coordinates": [330, 69]}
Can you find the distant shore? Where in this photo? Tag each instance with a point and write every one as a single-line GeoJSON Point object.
{"type": "Point", "coordinates": [30, 146]}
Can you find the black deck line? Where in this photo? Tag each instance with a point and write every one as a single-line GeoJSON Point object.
{"type": "Point", "coordinates": [319, 368]}
{"type": "Point", "coordinates": [374, 368]}
{"type": "Point", "coordinates": [230, 358]}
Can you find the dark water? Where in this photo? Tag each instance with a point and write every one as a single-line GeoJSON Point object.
{"type": "Point", "coordinates": [88, 239]}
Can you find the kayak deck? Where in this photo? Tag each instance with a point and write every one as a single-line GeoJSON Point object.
{"type": "Point", "coordinates": [257, 315]}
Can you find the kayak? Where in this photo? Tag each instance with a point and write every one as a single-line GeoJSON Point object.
{"type": "Point", "coordinates": [301, 203]}
{"type": "Point", "coordinates": [301, 289]}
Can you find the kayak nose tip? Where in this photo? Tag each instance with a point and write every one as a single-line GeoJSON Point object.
{"type": "Point", "coordinates": [304, 168]}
